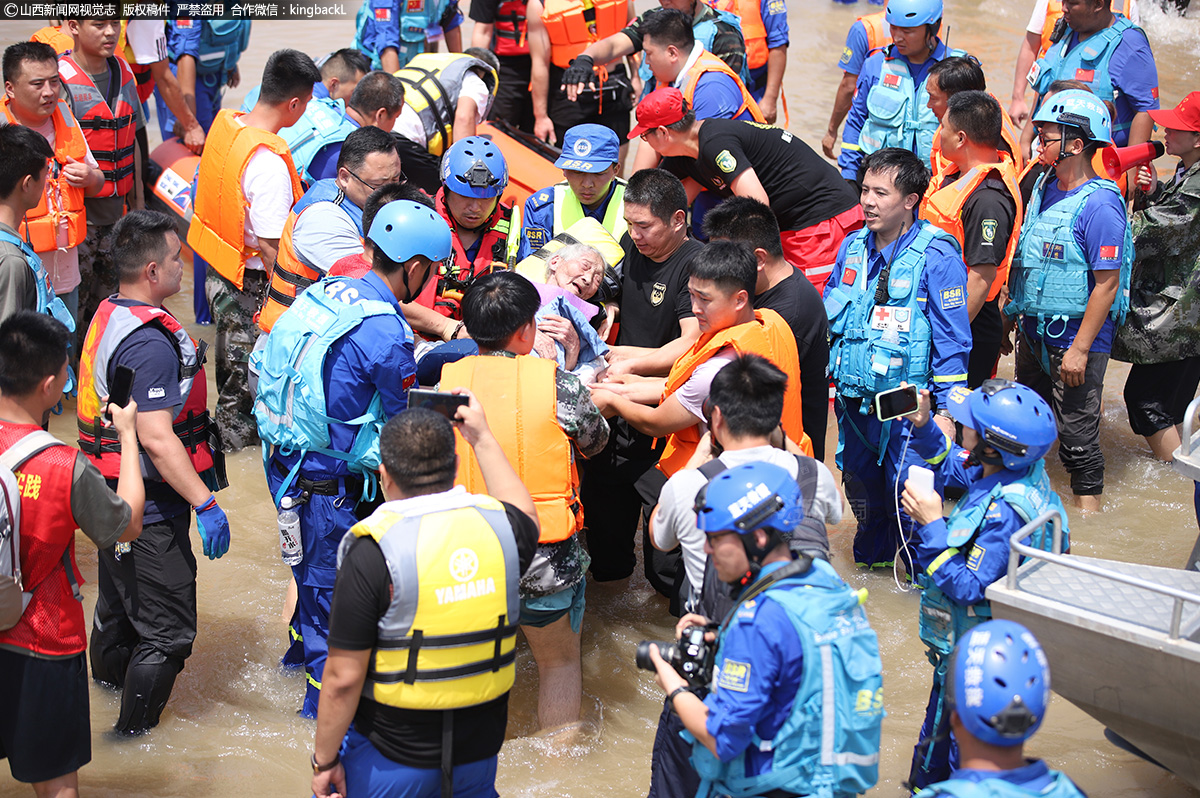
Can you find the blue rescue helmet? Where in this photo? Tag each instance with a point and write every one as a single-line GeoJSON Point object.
{"type": "Point", "coordinates": [1010, 417]}
{"type": "Point", "coordinates": [749, 497]}
{"type": "Point", "coordinates": [999, 683]}
{"type": "Point", "coordinates": [1079, 109]}
{"type": "Point", "coordinates": [912, 13]}
{"type": "Point", "coordinates": [404, 229]}
{"type": "Point", "coordinates": [475, 167]}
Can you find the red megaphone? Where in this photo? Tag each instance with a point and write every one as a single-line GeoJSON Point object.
{"type": "Point", "coordinates": [1119, 160]}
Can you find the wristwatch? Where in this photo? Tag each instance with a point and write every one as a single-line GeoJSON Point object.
{"type": "Point", "coordinates": [318, 768]}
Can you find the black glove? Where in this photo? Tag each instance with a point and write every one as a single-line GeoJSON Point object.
{"type": "Point", "coordinates": [580, 71]}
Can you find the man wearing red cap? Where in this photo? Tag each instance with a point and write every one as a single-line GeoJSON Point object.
{"type": "Point", "coordinates": [815, 207]}
{"type": "Point", "coordinates": [1161, 335]}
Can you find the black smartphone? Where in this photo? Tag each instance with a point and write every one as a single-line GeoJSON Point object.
{"type": "Point", "coordinates": [122, 386]}
{"type": "Point", "coordinates": [445, 403]}
{"type": "Point", "coordinates": [896, 402]}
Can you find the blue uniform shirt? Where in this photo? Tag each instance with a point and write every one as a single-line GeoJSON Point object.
{"type": "Point", "coordinates": [775, 21]}
{"type": "Point", "coordinates": [538, 219]}
{"type": "Point", "coordinates": [1134, 77]}
{"type": "Point", "coordinates": [375, 357]}
{"type": "Point", "coordinates": [759, 700]}
{"type": "Point", "coordinates": [1034, 776]}
{"type": "Point", "coordinates": [718, 96]}
{"type": "Point", "coordinates": [856, 50]}
{"type": "Point", "coordinates": [1100, 231]}
{"type": "Point", "coordinates": [940, 290]}
{"type": "Point", "coordinates": [850, 157]}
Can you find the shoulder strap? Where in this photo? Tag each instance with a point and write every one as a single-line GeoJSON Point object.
{"type": "Point", "coordinates": [712, 468]}
{"type": "Point", "coordinates": [806, 477]}
{"type": "Point", "coordinates": [27, 447]}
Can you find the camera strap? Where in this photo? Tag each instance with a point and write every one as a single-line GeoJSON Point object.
{"type": "Point", "coordinates": [797, 567]}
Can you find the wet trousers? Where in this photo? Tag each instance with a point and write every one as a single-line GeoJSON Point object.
{"type": "Point", "coordinates": [98, 278]}
{"type": "Point", "coordinates": [671, 771]}
{"type": "Point", "coordinates": [935, 756]}
{"type": "Point", "coordinates": [145, 620]}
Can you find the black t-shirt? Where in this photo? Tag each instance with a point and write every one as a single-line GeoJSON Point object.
{"type": "Point", "coordinates": [654, 296]}
{"type": "Point", "coordinates": [804, 188]}
{"type": "Point", "coordinates": [987, 216]}
{"type": "Point", "coordinates": [412, 737]}
{"type": "Point", "coordinates": [797, 301]}
{"type": "Point", "coordinates": [484, 11]}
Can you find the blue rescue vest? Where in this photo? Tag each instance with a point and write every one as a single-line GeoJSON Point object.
{"type": "Point", "coordinates": [324, 123]}
{"type": "Point", "coordinates": [943, 621]}
{"type": "Point", "coordinates": [327, 191]}
{"type": "Point", "coordinates": [898, 113]}
{"type": "Point", "coordinates": [876, 347]}
{"type": "Point", "coordinates": [1060, 787]}
{"type": "Point", "coordinates": [47, 302]}
{"type": "Point", "coordinates": [290, 406]}
{"type": "Point", "coordinates": [1049, 273]}
{"type": "Point", "coordinates": [704, 32]}
{"type": "Point", "coordinates": [1086, 61]}
{"type": "Point", "coordinates": [829, 745]}
{"type": "Point", "coordinates": [222, 42]}
{"type": "Point", "coordinates": [375, 16]}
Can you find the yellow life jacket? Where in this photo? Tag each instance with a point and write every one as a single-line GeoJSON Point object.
{"type": "Point", "coordinates": [448, 637]}
{"type": "Point", "coordinates": [432, 83]}
{"type": "Point", "coordinates": [520, 398]}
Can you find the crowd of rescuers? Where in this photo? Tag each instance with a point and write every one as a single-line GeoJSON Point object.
{"type": "Point", "coordinates": [652, 353]}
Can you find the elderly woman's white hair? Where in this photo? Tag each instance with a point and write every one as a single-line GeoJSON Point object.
{"type": "Point", "coordinates": [577, 253]}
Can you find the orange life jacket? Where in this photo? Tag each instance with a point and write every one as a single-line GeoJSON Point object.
{"type": "Point", "coordinates": [753, 29]}
{"type": "Point", "coordinates": [879, 32]}
{"type": "Point", "coordinates": [218, 231]}
{"type": "Point", "coordinates": [110, 130]}
{"type": "Point", "coordinates": [61, 202]}
{"type": "Point", "coordinates": [707, 62]}
{"type": "Point", "coordinates": [520, 398]}
{"type": "Point", "coordinates": [943, 207]}
{"type": "Point", "coordinates": [940, 167]}
{"type": "Point", "coordinates": [510, 28]}
{"type": "Point", "coordinates": [1054, 12]}
{"type": "Point", "coordinates": [53, 35]}
{"type": "Point", "coordinates": [574, 24]}
{"type": "Point", "coordinates": [769, 336]}
{"type": "Point", "coordinates": [111, 325]}
{"type": "Point", "coordinates": [53, 624]}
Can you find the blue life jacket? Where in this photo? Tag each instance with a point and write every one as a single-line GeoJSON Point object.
{"type": "Point", "coordinates": [1049, 273]}
{"type": "Point", "coordinates": [222, 42]}
{"type": "Point", "coordinates": [898, 113]}
{"type": "Point", "coordinates": [290, 405]}
{"type": "Point", "coordinates": [829, 744]}
{"type": "Point", "coordinates": [47, 302]}
{"type": "Point", "coordinates": [944, 621]}
{"type": "Point", "coordinates": [327, 191]}
{"type": "Point", "coordinates": [704, 32]}
{"type": "Point", "coordinates": [1061, 787]}
{"type": "Point", "coordinates": [375, 17]}
{"type": "Point", "coordinates": [876, 347]}
{"type": "Point", "coordinates": [1087, 62]}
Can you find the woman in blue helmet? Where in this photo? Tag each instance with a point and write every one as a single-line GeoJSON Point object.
{"type": "Point", "coordinates": [486, 234]}
{"type": "Point", "coordinates": [1007, 431]}
{"type": "Point", "coordinates": [997, 696]}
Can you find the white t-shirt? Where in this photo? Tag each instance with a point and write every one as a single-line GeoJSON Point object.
{"type": "Point", "coordinates": [408, 124]}
{"type": "Point", "coordinates": [61, 264]}
{"type": "Point", "coordinates": [675, 518]}
{"type": "Point", "coordinates": [268, 190]}
{"type": "Point", "coordinates": [324, 234]}
{"type": "Point", "coordinates": [1037, 20]}
{"type": "Point", "coordinates": [147, 40]}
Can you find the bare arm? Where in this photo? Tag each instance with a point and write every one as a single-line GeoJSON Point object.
{"type": "Point", "coordinates": [454, 40]}
{"type": "Point", "coordinates": [1140, 128]}
{"type": "Point", "coordinates": [169, 457]}
{"type": "Point", "coordinates": [539, 72]}
{"type": "Point", "coordinates": [427, 321]}
{"type": "Point", "coordinates": [1074, 362]}
{"type": "Point", "coordinates": [656, 362]}
{"type": "Point", "coordinates": [168, 85]}
{"type": "Point", "coordinates": [1027, 134]}
{"type": "Point", "coordinates": [1018, 109]}
{"type": "Point", "coordinates": [841, 106]}
{"type": "Point", "coordinates": [776, 65]}
{"type": "Point", "coordinates": [979, 284]}
{"type": "Point", "coordinates": [341, 686]}
{"type": "Point", "coordinates": [390, 58]}
{"type": "Point", "coordinates": [481, 36]}
{"type": "Point", "coordinates": [268, 250]}
{"type": "Point", "coordinates": [657, 422]}
{"type": "Point", "coordinates": [602, 52]}
{"type": "Point", "coordinates": [186, 66]}
{"type": "Point", "coordinates": [466, 116]}
{"type": "Point", "coordinates": [747, 185]}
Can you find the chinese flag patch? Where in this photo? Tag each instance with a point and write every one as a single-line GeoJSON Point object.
{"type": "Point", "coordinates": [849, 276]}
{"type": "Point", "coordinates": [891, 81]}
{"type": "Point", "coordinates": [416, 5]}
{"type": "Point", "coordinates": [383, 14]}
{"type": "Point", "coordinates": [1086, 75]}
{"type": "Point", "coordinates": [1110, 253]}
{"type": "Point", "coordinates": [1154, 92]}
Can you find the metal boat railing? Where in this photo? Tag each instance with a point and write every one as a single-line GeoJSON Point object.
{"type": "Point", "coordinates": [1187, 456]}
{"type": "Point", "coordinates": [1019, 550]}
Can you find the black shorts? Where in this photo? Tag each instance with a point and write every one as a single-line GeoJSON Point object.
{"type": "Point", "coordinates": [1157, 394]}
{"type": "Point", "coordinates": [45, 723]}
{"type": "Point", "coordinates": [610, 107]}
{"type": "Point", "coordinates": [514, 103]}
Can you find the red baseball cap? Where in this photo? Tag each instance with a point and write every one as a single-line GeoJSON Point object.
{"type": "Point", "coordinates": [658, 108]}
{"type": "Point", "coordinates": [1185, 116]}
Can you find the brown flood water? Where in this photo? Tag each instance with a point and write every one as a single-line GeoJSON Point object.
{"type": "Point", "coordinates": [231, 727]}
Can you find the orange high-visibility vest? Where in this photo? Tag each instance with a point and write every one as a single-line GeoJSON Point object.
{"type": "Point", "coordinates": [570, 29]}
{"type": "Point", "coordinates": [110, 132]}
{"type": "Point", "coordinates": [879, 32]}
{"type": "Point", "coordinates": [940, 167]}
{"type": "Point", "coordinates": [707, 62]}
{"type": "Point", "coordinates": [753, 29]}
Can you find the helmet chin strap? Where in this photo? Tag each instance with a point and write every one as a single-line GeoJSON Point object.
{"type": "Point", "coordinates": [755, 554]}
{"type": "Point", "coordinates": [981, 454]}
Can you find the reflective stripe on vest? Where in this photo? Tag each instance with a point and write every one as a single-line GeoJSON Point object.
{"type": "Point", "coordinates": [448, 637]}
{"type": "Point", "coordinates": [294, 271]}
{"type": "Point", "coordinates": [943, 207]}
{"type": "Point", "coordinates": [1087, 61]}
{"type": "Point", "coordinates": [574, 24]}
{"type": "Point", "coordinates": [520, 395]}
{"type": "Point", "coordinates": [111, 325]}
{"type": "Point", "coordinates": [510, 28]}
{"type": "Point", "coordinates": [110, 130]}
{"type": "Point", "coordinates": [432, 84]}
{"type": "Point", "coordinates": [753, 30]}
{"type": "Point", "coordinates": [1049, 275]}
{"type": "Point", "coordinates": [769, 336]}
{"type": "Point", "coordinates": [707, 62]}
{"type": "Point", "coordinates": [568, 210]}
{"type": "Point", "coordinates": [218, 228]}
{"type": "Point", "coordinates": [898, 113]}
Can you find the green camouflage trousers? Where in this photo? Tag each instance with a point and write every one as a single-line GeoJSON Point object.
{"type": "Point", "coordinates": [98, 278]}
{"type": "Point", "coordinates": [233, 313]}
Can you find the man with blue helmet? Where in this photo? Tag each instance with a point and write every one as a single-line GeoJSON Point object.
{"type": "Point", "coordinates": [997, 696]}
{"type": "Point", "coordinates": [797, 697]}
{"type": "Point", "coordinates": [485, 234]}
{"type": "Point", "coordinates": [1069, 281]}
{"type": "Point", "coordinates": [890, 99]}
{"type": "Point", "coordinates": [1007, 429]}
{"type": "Point", "coordinates": [353, 377]}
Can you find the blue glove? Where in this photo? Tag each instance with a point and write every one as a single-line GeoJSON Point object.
{"type": "Point", "coordinates": [214, 528]}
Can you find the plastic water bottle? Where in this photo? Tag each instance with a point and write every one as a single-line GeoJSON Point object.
{"type": "Point", "coordinates": [290, 544]}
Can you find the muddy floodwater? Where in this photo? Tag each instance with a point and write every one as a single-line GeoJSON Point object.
{"type": "Point", "coordinates": [231, 727]}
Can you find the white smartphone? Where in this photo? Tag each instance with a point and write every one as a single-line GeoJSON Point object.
{"type": "Point", "coordinates": [921, 478]}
